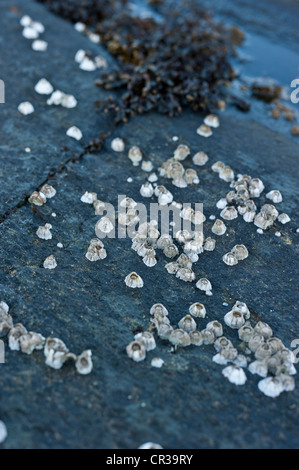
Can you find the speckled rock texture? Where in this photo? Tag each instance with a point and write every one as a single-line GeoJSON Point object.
{"type": "Point", "coordinates": [187, 404]}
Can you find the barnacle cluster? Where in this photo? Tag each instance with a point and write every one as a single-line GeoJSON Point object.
{"type": "Point", "coordinates": [96, 250]}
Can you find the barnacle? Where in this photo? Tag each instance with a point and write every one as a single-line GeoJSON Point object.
{"type": "Point", "coordinates": [164, 241]}
{"type": "Point", "coordinates": [96, 250]}
{"type": "Point", "coordinates": [263, 351]}
{"type": "Point", "coordinates": [37, 198]}
{"type": "Point", "coordinates": [164, 330]}
{"type": "Point", "coordinates": [172, 268]}
{"type": "Point", "coordinates": [147, 339]}
{"type": "Point", "coordinates": [249, 216]}
{"type": "Point", "coordinates": [6, 322]}
{"type": "Point", "coordinates": [226, 173]}
{"type": "Point", "coordinates": [259, 367]}
{"type": "Point", "coordinates": [216, 327]}
{"type": "Point", "coordinates": [88, 198]}
{"type": "Point", "coordinates": [229, 213]}
{"type": "Point", "coordinates": [117, 144]}
{"type": "Point", "coordinates": [196, 338]}
{"type": "Point", "coordinates": [133, 280]}
{"type": "Point", "coordinates": [44, 232]}
{"type": "Point", "coordinates": [179, 337]}
{"type": "Point", "coordinates": [74, 132]}
{"type": "Point", "coordinates": [242, 307]}
{"type": "Point", "coordinates": [147, 190]}
{"type": "Point", "coordinates": [240, 252]}
{"type": "Point", "coordinates": [31, 341]}
{"type": "Point", "coordinates": [48, 191]}
{"type": "Point", "coordinates": [288, 382]}
{"type": "Point", "coordinates": [56, 353]}
{"type": "Point", "coordinates": [197, 310]}
{"type": "Point", "coordinates": [235, 374]}
{"type": "Point", "coordinates": [217, 166]}
{"type": "Point", "coordinates": [218, 227]}
{"type": "Point", "coordinates": [204, 130]}
{"type": "Point", "coordinates": [204, 285]}
{"type": "Point", "coordinates": [181, 152]}
{"type": "Point", "coordinates": [146, 166]}
{"type": "Point", "coordinates": [99, 207]}
{"type": "Point", "coordinates": [50, 262]}
{"type": "Point", "coordinates": [25, 108]}
{"type": "Point", "coordinates": [262, 220]}
{"type": "Point", "coordinates": [263, 329]}
{"type": "Point", "coordinates": [157, 362]}
{"type": "Point", "coordinates": [158, 309]}
{"type": "Point", "coordinates": [171, 251]}
{"type": "Point", "coordinates": [187, 323]}
{"type": "Point", "coordinates": [191, 176]}
{"type": "Point", "coordinates": [275, 343]}
{"type": "Point", "coordinates": [163, 194]}
{"type": "Point", "coordinates": [245, 333]}
{"type": "Point", "coordinates": [271, 386]}
{"type": "Point", "coordinates": [208, 336]}
{"type": "Point", "coordinates": [14, 336]}
{"type": "Point", "coordinates": [274, 195]}
{"type": "Point", "coordinates": [256, 187]}
{"type": "Point", "coordinates": [105, 225]}
{"type": "Point", "coordinates": [230, 259]}
{"type": "Point", "coordinates": [234, 319]}
{"type": "Point", "coordinates": [135, 155]}
{"type": "Point", "coordinates": [283, 218]}
{"type": "Point", "coordinates": [184, 261]}
{"type": "Point", "coordinates": [255, 342]}
{"type": "Point", "coordinates": [211, 120]}
{"type": "Point", "coordinates": [186, 274]}
{"type": "Point", "coordinates": [200, 158]}
{"type": "Point", "coordinates": [84, 362]}
{"type": "Point", "coordinates": [209, 244]}
{"type": "Point", "coordinates": [222, 343]}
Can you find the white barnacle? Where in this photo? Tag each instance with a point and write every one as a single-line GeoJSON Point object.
{"type": "Point", "coordinates": [147, 189]}
{"type": "Point", "coordinates": [147, 338]}
{"type": "Point", "coordinates": [172, 267]}
{"type": "Point", "coordinates": [30, 33]}
{"type": "Point", "coordinates": [25, 108]}
{"type": "Point", "coordinates": [229, 213]}
{"type": "Point", "coordinates": [274, 196]}
{"type": "Point", "coordinates": [240, 252]}
{"type": "Point", "coordinates": [245, 333]}
{"type": "Point", "coordinates": [283, 218]}
{"type": "Point", "coordinates": [96, 250]}
{"type": "Point", "coordinates": [185, 274]}
{"type": "Point", "coordinates": [80, 27]}
{"type": "Point", "coordinates": [240, 360]}
{"type": "Point", "coordinates": [205, 285]}
{"type": "Point", "coordinates": [235, 374]}
{"type": "Point", "coordinates": [256, 187]}
{"type": "Point", "coordinates": [271, 386]}
{"type": "Point", "coordinates": [198, 218]}
{"type": "Point", "coordinates": [99, 207]}
{"type": "Point", "coordinates": [164, 330]}
{"type": "Point", "coordinates": [219, 227]}
{"type": "Point", "coordinates": [234, 319]}
{"type": "Point", "coordinates": [288, 382]}
{"type": "Point", "coordinates": [135, 155]}
{"type": "Point", "coordinates": [171, 251]}
{"type": "Point", "coordinates": [216, 327]}
{"type": "Point", "coordinates": [31, 341]}
{"type": "Point", "coordinates": [149, 260]}
{"type": "Point", "coordinates": [37, 26]}
{"type": "Point", "coordinates": [84, 363]}
{"type": "Point", "coordinates": [200, 158]}
{"type": "Point", "coordinates": [191, 176]}
{"type": "Point", "coordinates": [209, 244]}
{"type": "Point", "coordinates": [230, 259]}
{"type": "Point", "coordinates": [117, 144]}
{"type": "Point", "coordinates": [242, 307]}
{"type": "Point", "coordinates": [158, 363]}
{"type": "Point", "coordinates": [184, 261]}
{"type": "Point", "coordinates": [48, 191]}
{"type": "Point", "coordinates": [68, 101]}
{"type": "Point", "coordinates": [133, 280]}
{"type": "Point", "coordinates": [55, 352]}
{"type": "Point", "coordinates": [128, 202]}
{"type": "Point", "coordinates": [179, 337]}
{"type": "Point", "coordinates": [258, 367]}
{"type": "Point", "coordinates": [183, 236]}
{"type": "Point", "coordinates": [14, 336]}
{"type": "Point", "coordinates": [186, 213]}
{"type": "Point", "coordinates": [263, 351]}
{"type": "Point", "coordinates": [275, 343]}
{"type": "Point", "coordinates": [43, 87]}
{"type": "Point", "coordinates": [255, 342]}
{"type": "Point", "coordinates": [187, 323]}
{"type": "Point", "coordinates": [196, 338]}
{"type": "Point", "coordinates": [226, 173]}
{"type": "Point", "coordinates": [208, 336]}
{"type": "Point", "coordinates": [217, 166]}
{"type": "Point", "coordinates": [136, 351]}
{"type": "Point", "coordinates": [263, 329]}
{"type": "Point", "coordinates": [44, 232]}
{"type": "Point", "coordinates": [179, 182]}
{"type": "Point", "coordinates": [197, 310]}
{"type": "Point", "coordinates": [39, 45]}
{"type": "Point", "coordinates": [50, 262]}
{"type": "Point", "coordinates": [152, 178]}
{"type": "Point", "coordinates": [74, 132]}
{"type": "Point", "coordinates": [150, 445]}
{"type": "Point", "coordinates": [25, 21]}
{"type": "Point", "coordinates": [87, 64]}
{"type": "Point", "coordinates": [105, 225]}
{"type": "Point", "coordinates": [222, 343]}
{"type": "Point", "coordinates": [37, 198]}
{"type": "Point", "coordinates": [221, 203]}
{"type": "Point", "coordinates": [249, 216]}
{"type": "Point", "coordinates": [3, 432]}
{"type": "Point", "coordinates": [147, 166]}
{"type": "Point", "coordinates": [212, 121]}
{"type": "Point", "coordinates": [164, 195]}
{"type": "Point", "coordinates": [204, 131]}
{"type": "Point", "coordinates": [88, 198]}
{"type": "Point", "coordinates": [164, 241]}
{"type": "Point", "coordinates": [220, 359]}
{"type": "Point", "coordinates": [181, 152]}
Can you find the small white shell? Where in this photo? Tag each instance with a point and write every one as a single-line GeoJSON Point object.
{"type": "Point", "coordinates": [136, 351]}
{"type": "Point", "coordinates": [147, 190]}
{"type": "Point", "coordinates": [25, 108]}
{"type": "Point", "coordinates": [229, 213]}
{"type": "Point", "coordinates": [204, 131]}
{"type": "Point", "coordinates": [258, 367]}
{"type": "Point", "coordinates": [87, 65]}
{"type": "Point", "coordinates": [118, 144]}
{"type": "Point", "coordinates": [235, 374]}
{"type": "Point", "coordinates": [156, 362]}
{"type": "Point", "coordinates": [230, 259]}
{"type": "Point", "coordinates": [274, 196]}
{"type": "Point", "coordinates": [39, 45]}
{"type": "Point", "coordinates": [135, 155]}
{"type": "Point", "coordinates": [84, 362]}
{"type": "Point", "coordinates": [133, 280]}
{"type": "Point", "coordinates": [212, 121]}
{"type": "Point", "coordinates": [234, 319]}
{"type": "Point", "coordinates": [14, 336]}
{"type": "Point", "coordinates": [271, 386]}
{"type": "Point", "coordinates": [147, 339]}
{"type": "Point", "coordinates": [50, 262]}
{"type": "Point", "coordinates": [197, 310]}
{"type": "Point", "coordinates": [37, 198]}
{"type": "Point", "coordinates": [31, 341]}
{"type": "Point", "coordinates": [48, 191]}
{"type": "Point", "coordinates": [200, 158]}
{"type": "Point", "coordinates": [43, 87]}
{"type": "Point", "coordinates": [187, 323]}
{"type": "Point", "coordinates": [283, 218]}
{"type": "Point", "coordinates": [218, 227]}
{"type": "Point", "coordinates": [74, 132]}
{"type": "Point", "coordinates": [181, 152]}
{"type": "Point", "coordinates": [44, 232]}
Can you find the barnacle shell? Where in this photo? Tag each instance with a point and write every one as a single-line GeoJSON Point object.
{"type": "Point", "coordinates": [218, 227]}
{"type": "Point", "coordinates": [172, 268]}
{"type": "Point", "coordinates": [240, 252]}
{"type": "Point", "coordinates": [197, 310]}
{"type": "Point", "coordinates": [274, 196]}
{"type": "Point", "coordinates": [204, 285]}
{"type": "Point", "coordinates": [14, 336]}
{"type": "Point", "coordinates": [226, 173]}
{"type": "Point", "coordinates": [196, 338]}
{"type": "Point", "coordinates": [271, 386]}
{"type": "Point", "coordinates": [84, 362]}
{"type": "Point", "coordinates": [50, 262]}
{"type": "Point", "coordinates": [208, 336]}
{"type": "Point", "coordinates": [89, 198]}
{"type": "Point", "coordinates": [245, 333]}
{"type": "Point", "coordinates": [179, 337]}
{"type": "Point", "coordinates": [186, 274]}
{"type": "Point", "coordinates": [171, 251]}
{"type": "Point", "coordinates": [181, 152]}
{"type": "Point", "coordinates": [234, 319]}
{"type": "Point", "coordinates": [222, 343]}
{"type": "Point", "coordinates": [263, 329]}
{"type": "Point", "coordinates": [74, 132]}
{"type": "Point", "coordinates": [230, 259]}
{"type": "Point", "coordinates": [283, 218]}
{"type": "Point", "coordinates": [158, 309]}
{"type": "Point", "coordinates": [216, 327]}
{"type": "Point", "coordinates": [133, 280]}
{"type": "Point", "coordinates": [48, 191]}
{"type": "Point", "coordinates": [229, 213]}
{"type": "Point", "coordinates": [146, 338]}
{"type": "Point", "coordinates": [44, 232]}
{"type": "Point", "coordinates": [242, 307]}
{"type": "Point", "coordinates": [258, 367]}
{"type": "Point", "coordinates": [136, 351]}
{"type": "Point", "coordinates": [211, 120]}
{"type": "Point", "coordinates": [99, 207]}
{"type": "Point", "coordinates": [255, 342]}
{"type": "Point", "coordinates": [235, 374]}
{"type": "Point", "coordinates": [135, 155]}
{"type": "Point", "coordinates": [209, 244]}
{"type": "Point", "coordinates": [31, 341]}
{"type": "Point", "coordinates": [187, 323]}
{"type": "Point", "coordinates": [164, 330]}
{"type": "Point", "coordinates": [204, 130]}
{"type": "Point", "coordinates": [147, 190]}
{"type": "Point", "coordinates": [191, 176]}
{"type": "Point", "coordinates": [200, 158]}
{"type": "Point", "coordinates": [118, 145]}
{"type": "Point", "coordinates": [37, 198]}
{"type": "Point", "coordinates": [263, 351]}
